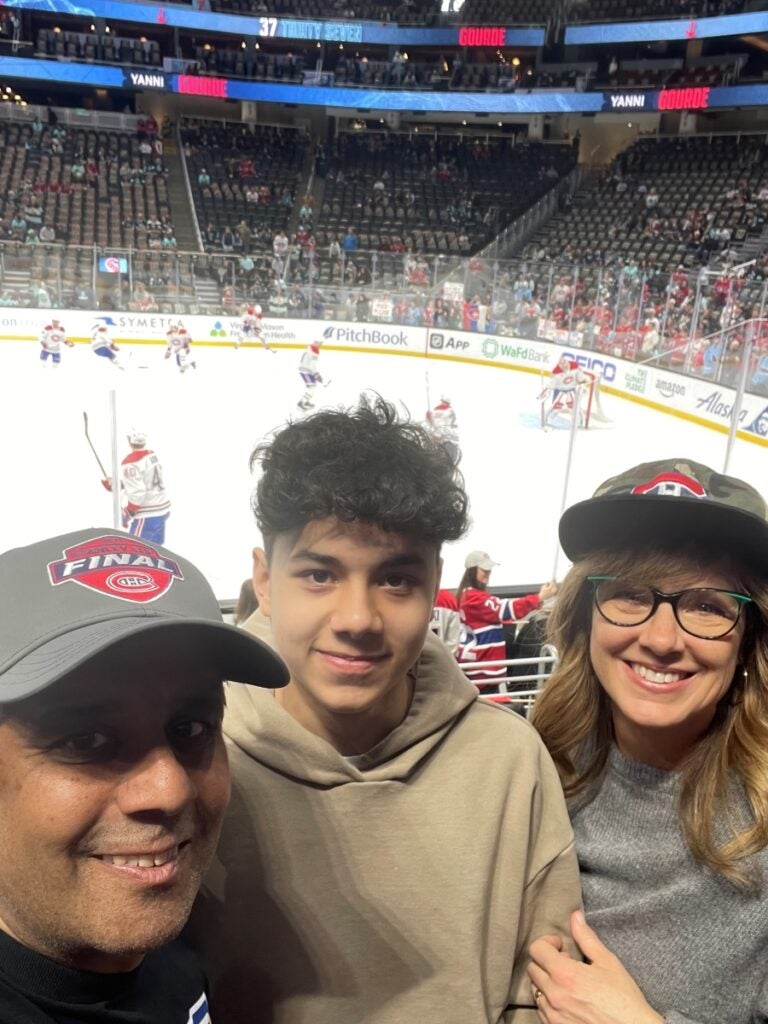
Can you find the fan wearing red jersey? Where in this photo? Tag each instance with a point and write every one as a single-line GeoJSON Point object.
{"type": "Point", "coordinates": [484, 616]}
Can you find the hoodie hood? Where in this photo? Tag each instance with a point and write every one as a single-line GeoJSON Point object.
{"type": "Point", "coordinates": [256, 723]}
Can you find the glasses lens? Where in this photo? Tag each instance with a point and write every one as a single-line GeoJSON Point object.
{"type": "Point", "coordinates": [623, 601]}
{"type": "Point", "coordinates": [708, 613]}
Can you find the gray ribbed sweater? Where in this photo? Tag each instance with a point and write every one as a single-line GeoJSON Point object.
{"type": "Point", "coordinates": [696, 945]}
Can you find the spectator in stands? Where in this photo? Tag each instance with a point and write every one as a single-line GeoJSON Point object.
{"type": "Point", "coordinates": [377, 728]}
{"type": "Point", "coordinates": [47, 233]}
{"type": "Point", "coordinates": [280, 245]}
{"type": "Point", "coordinates": [334, 249]}
{"type": "Point", "coordinates": [657, 717]}
{"type": "Point", "coordinates": [349, 242]}
{"type": "Point", "coordinates": [227, 239]}
{"type": "Point", "coordinates": [483, 615]}
{"type": "Point", "coordinates": [245, 234]}
{"type": "Point", "coordinates": [203, 178]}
{"type": "Point", "coordinates": [78, 169]}
{"type": "Point", "coordinates": [18, 226]}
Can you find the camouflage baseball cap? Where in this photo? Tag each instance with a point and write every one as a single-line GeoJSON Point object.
{"type": "Point", "coordinates": [668, 502]}
{"type": "Point", "coordinates": [70, 598]}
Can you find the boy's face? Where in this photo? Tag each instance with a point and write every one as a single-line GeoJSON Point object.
{"type": "Point", "coordinates": [350, 605]}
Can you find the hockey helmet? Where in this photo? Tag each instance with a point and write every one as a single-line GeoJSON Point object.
{"type": "Point", "coordinates": [137, 438]}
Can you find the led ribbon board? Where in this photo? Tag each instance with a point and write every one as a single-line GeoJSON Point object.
{"type": "Point", "coordinates": [654, 31]}
{"type": "Point", "coordinates": [263, 27]}
{"type": "Point", "coordinates": [365, 100]}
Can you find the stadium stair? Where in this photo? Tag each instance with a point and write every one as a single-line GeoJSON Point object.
{"type": "Point", "coordinates": [181, 211]}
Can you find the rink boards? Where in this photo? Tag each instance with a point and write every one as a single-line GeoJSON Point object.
{"type": "Point", "coordinates": [700, 401]}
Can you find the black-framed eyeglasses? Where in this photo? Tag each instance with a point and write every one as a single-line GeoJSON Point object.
{"type": "Point", "coordinates": [705, 612]}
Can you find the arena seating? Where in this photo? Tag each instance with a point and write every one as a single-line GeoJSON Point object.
{"type": "Point", "coordinates": [694, 214]}
{"type": "Point", "coordinates": [616, 10]}
{"type": "Point", "coordinates": [238, 162]}
{"type": "Point", "coordinates": [404, 12]}
{"type": "Point", "coordinates": [444, 194]}
{"type": "Point", "coordinates": [118, 191]}
{"type": "Point", "coordinates": [509, 12]}
{"type": "Point", "coordinates": [106, 47]}
{"type": "Point", "coordinates": [236, 62]}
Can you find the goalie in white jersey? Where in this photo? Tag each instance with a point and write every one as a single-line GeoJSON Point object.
{"type": "Point", "coordinates": [443, 425]}
{"type": "Point", "coordinates": [146, 506]}
{"type": "Point", "coordinates": [52, 337]}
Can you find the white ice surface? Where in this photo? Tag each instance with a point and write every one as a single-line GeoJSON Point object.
{"type": "Point", "coordinates": [205, 423]}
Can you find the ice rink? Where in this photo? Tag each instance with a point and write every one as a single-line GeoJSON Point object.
{"type": "Point", "coordinates": [204, 424]}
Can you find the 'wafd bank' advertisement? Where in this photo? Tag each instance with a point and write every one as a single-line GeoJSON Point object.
{"type": "Point", "coordinates": [695, 399]}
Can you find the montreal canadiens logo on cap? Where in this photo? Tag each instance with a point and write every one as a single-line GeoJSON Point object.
{"type": "Point", "coordinates": [676, 485]}
{"type": "Point", "coordinates": [118, 567]}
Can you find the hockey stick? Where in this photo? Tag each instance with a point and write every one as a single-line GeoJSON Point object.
{"type": "Point", "coordinates": [104, 473]}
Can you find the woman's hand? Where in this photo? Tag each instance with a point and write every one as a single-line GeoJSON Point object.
{"type": "Point", "coordinates": [597, 992]}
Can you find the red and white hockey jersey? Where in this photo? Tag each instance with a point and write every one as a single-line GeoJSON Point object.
{"type": "Point", "coordinates": [484, 615]}
{"type": "Point", "coordinates": [142, 479]}
{"type": "Point", "coordinates": [52, 337]}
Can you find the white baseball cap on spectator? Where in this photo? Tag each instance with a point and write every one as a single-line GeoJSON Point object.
{"type": "Point", "coordinates": [479, 560]}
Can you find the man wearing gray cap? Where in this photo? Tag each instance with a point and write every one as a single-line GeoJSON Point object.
{"type": "Point", "coordinates": [113, 775]}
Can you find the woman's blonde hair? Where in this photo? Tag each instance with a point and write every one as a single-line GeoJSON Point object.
{"type": "Point", "coordinates": [573, 714]}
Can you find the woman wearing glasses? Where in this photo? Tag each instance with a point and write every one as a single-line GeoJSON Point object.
{"type": "Point", "coordinates": [657, 719]}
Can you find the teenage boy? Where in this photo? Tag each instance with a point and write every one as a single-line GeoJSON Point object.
{"type": "Point", "coordinates": [394, 844]}
{"type": "Point", "coordinates": [113, 776]}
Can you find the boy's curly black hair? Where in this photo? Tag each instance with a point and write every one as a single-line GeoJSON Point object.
{"type": "Point", "coordinates": [364, 464]}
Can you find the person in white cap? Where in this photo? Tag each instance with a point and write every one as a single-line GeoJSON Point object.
{"type": "Point", "coordinates": [484, 615]}
{"type": "Point", "coordinates": [113, 775]}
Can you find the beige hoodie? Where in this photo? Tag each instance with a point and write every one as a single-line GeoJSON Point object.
{"type": "Point", "coordinates": [399, 887]}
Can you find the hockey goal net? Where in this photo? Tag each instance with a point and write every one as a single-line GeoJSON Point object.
{"type": "Point", "coordinates": [559, 398]}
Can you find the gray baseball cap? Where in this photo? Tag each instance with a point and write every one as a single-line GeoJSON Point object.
{"type": "Point", "coordinates": [672, 501]}
{"type": "Point", "coordinates": [69, 598]}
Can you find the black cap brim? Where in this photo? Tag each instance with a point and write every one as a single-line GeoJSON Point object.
{"type": "Point", "coordinates": [632, 520]}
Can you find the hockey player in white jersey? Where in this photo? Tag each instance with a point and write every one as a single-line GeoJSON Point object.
{"type": "Point", "coordinates": [52, 337]}
{"type": "Point", "coordinates": [309, 374]}
{"type": "Point", "coordinates": [443, 424]}
{"type": "Point", "coordinates": [250, 329]}
{"type": "Point", "coordinates": [146, 506]}
{"type": "Point", "coordinates": [179, 345]}
{"type": "Point", "coordinates": [102, 344]}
